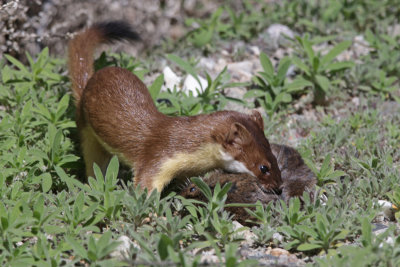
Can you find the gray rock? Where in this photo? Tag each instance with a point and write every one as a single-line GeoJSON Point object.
{"type": "Point", "coordinates": [277, 34]}
{"type": "Point", "coordinates": [241, 71]}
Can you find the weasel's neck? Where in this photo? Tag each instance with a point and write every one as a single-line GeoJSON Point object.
{"type": "Point", "coordinates": [185, 164]}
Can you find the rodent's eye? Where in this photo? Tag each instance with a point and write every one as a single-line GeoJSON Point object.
{"type": "Point", "coordinates": [192, 189]}
{"type": "Point", "coordinates": [264, 169]}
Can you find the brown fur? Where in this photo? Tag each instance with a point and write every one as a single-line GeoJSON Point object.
{"type": "Point", "coordinates": [297, 178]}
{"type": "Point", "coordinates": [116, 115]}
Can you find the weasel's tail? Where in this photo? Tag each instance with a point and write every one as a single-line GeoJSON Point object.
{"type": "Point", "coordinates": [82, 46]}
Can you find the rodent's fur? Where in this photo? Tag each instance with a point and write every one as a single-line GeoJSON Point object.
{"type": "Point", "coordinates": [116, 115]}
{"type": "Point", "coordinates": [297, 178]}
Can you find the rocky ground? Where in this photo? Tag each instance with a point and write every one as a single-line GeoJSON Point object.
{"type": "Point", "coordinates": [30, 25]}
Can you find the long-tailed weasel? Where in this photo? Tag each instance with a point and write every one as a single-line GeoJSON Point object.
{"type": "Point", "coordinates": [116, 115]}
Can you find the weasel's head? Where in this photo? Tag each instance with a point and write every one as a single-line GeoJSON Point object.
{"type": "Point", "coordinates": [245, 149]}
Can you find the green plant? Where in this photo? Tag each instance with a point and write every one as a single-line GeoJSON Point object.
{"type": "Point", "coordinates": [226, 23]}
{"type": "Point", "coordinates": [318, 69]}
{"type": "Point", "coordinates": [324, 234]}
{"type": "Point", "coordinates": [49, 217]}
{"type": "Point", "coordinates": [275, 89]}
{"type": "Point", "coordinates": [326, 174]}
{"type": "Point", "coordinates": [209, 218]}
{"type": "Point", "coordinates": [97, 250]}
{"type": "Point", "coordinates": [208, 99]}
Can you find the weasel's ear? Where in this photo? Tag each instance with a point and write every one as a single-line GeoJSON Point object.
{"type": "Point", "coordinates": [238, 135]}
{"type": "Point", "coordinates": [256, 117]}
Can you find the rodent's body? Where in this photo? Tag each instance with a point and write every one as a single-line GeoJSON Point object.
{"type": "Point", "coordinates": [116, 115]}
{"type": "Point", "coordinates": [296, 176]}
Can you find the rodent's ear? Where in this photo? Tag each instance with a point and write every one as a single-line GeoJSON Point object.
{"type": "Point", "coordinates": [256, 117]}
{"type": "Point", "coordinates": [238, 135]}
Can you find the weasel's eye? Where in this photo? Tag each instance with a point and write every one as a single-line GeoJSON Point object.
{"type": "Point", "coordinates": [192, 189]}
{"type": "Point", "coordinates": [264, 169]}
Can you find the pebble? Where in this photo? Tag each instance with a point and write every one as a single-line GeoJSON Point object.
{"type": "Point", "coordinates": [360, 46]}
{"type": "Point", "coordinates": [265, 258]}
{"type": "Point", "coordinates": [170, 78]}
{"type": "Point", "coordinates": [379, 228]}
{"type": "Point", "coordinates": [276, 35]}
{"type": "Point", "coordinates": [394, 30]}
{"type": "Point", "coordinates": [209, 257]}
{"type": "Point", "coordinates": [254, 50]}
{"type": "Point", "coordinates": [356, 101]}
{"type": "Point", "coordinates": [242, 71]}
{"type": "Point", "coordinates": [207, 63]}
{"type": "Point", "coordinates": [248, 236]}
{"type": "Point", "coordinates": [191, 84]}
{"type": "Point", "coordinates": [278, 252]}
{"type": "Point", "coordinates": [121, 252]}
{"type": "Point", "coordinates": [278, 237]}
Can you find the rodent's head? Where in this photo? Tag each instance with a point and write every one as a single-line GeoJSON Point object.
{"type": "Point", "coordinates": [190, 190]}
{"type": "Point", "coordinates": [247, 150]}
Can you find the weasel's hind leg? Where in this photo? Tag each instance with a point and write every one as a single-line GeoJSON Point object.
{"type": "Point", "coordinates": [93, 152]}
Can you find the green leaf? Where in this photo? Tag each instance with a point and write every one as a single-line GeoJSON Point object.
{"type": "Point", "coordinates": [297, 85]}
{"type": "Point", "coordinates": [283, 67]}
{"type": "Point", "coordinates": [17, 63]}
{"type": "Point", "coordinates": [112, 171]}
{"type": "Point", "coordinates": [155, 88]}
{"type": "Point", "coordinates": [62, 106]}
{"type": "Point", "coordinates": [56, 145]}
{"type": "Point", "coordinates": [203, 187]}
{"type": "Point", "coordinates": [78, 248]}
{"type": "Point", "coordinates": [308, 246]}
{"type": "Point", "coordinates": [315, 65]}
{"type": "Point", "coordinates": [308, 48]}
{"type": "Point", "coordinates": [334, 52]}
{"type": "Point", "coordinates": [42, 110]}
{"type": "Point", "coordinates": [323, 82]}
{"type": "Point", "coordinates": [286, 98]}
{"type": "Point", "coordinates": [47, 182]}
{"type": "Point", "coordinates": [342, 235]}
{"type": "Point", "coordinates": [162, 246]}
{"type": "Point", "coordinates": [70, 181]}
{"type": "Point", "coordinates": [335, 66]}
{"type": "Point", "coordinates": [224, 190]}
{"type": "Point", "coordinates": [266, 64]}
{"type": "Point", "coordinates": [6, 74]}
{"type": "Point", "coordinates": [297, 61]}
{"type": "Point", "coordinates": [184, 66]}
{"type": "Point", "coordinates": [202, 36]}
{"type": "Point", "coordinates": [254, 93]}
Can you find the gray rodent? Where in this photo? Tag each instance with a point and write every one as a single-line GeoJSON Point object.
{"type": "Point", "coordinates": [296, 177]}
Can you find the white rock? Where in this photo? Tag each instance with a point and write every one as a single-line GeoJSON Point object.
{"type": "Point", "coordinates": [254, 50]}
{"type": "Point", "coordinates": [355, 101]}
{"type": "Point", "coordinates": [387, 209]}
{"type": "Point", "coordinates": [170, 78]}
{"type": "Point", "coordinates": [248, 236]}
{"type": "Point", "coordinates": [190, 84]}
{"type": "Point", "coordinates": [209, 257]}
{"type": "Point", "coordinates": [278, 237]}
{"type": "Point", "coordinates": [277, 34]}
{"type": "Point", "coordinates": [122, 250]}
{"type": "Point", "coordinates": [360, 46]}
